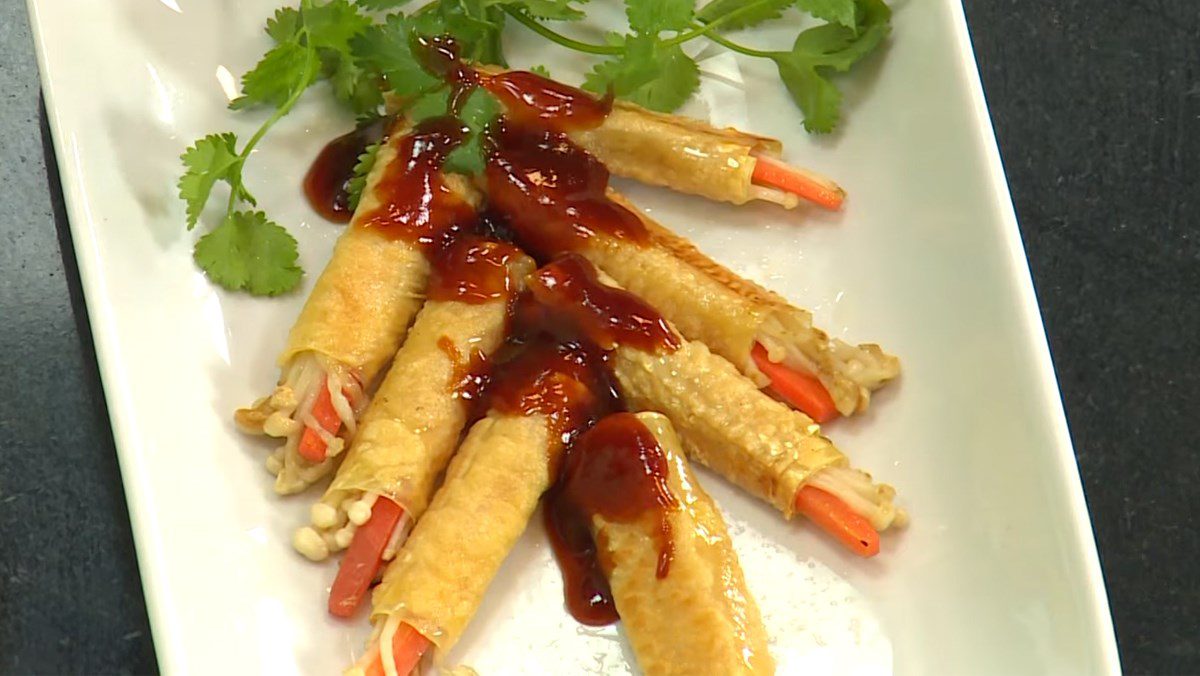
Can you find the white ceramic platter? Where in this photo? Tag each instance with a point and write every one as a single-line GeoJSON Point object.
{"type": "Point", "coordinates": [998, 572]}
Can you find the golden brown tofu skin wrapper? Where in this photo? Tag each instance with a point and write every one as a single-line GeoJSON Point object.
{"type": "Point", "coordinates": [710, 304]}
{"type": "Point", "coordinates": [700, 618]}
{"type": "Point", "coordinates": [725, 422]}
{"type": "Point", "coordinates": [412, 426]}
{"type": "Point", "coordinates": [368, 294]}
{"type": "Point", "coordinates": [492, 487]}
{"type": "Point", "coordinates": [677, 152]}
{"type": "Point", "coordinates": [680, 153]}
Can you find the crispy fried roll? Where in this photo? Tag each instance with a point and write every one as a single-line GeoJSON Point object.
{"type": "Point", "coordinates": [682, 154]}
{"type": "Point", "coordinates": [730, 314]}
{"type": "Point", "coordinates": [724, 421]}
{"type": "Point", "coordinates": [361, 306]}
{"type": "Point", "coordinates": [662, 547]}
{"type": "Point", "coordinates": [414, 422]}
{"type": "Point", "coordinates": [654, 148]}
{"type": "Point", "coordinates": [555, 196]}
{"type": "Point", "coordinates": [492, 487]}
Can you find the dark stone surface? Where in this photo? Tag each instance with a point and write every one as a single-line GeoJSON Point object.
{"type": "Point", "coordinates": [1097, 110]}
{"type": "Point", "coordinates": [69, 587]}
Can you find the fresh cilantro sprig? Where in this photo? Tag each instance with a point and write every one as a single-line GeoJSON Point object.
{"type": "Point", "coordinates": [648, 65]}
{"type": "Point", "coordinates": [247, 250]}
{"type": "Point", "coordinates": [363, 48]}
{"type": "Point", "coordinates": [358, 178]}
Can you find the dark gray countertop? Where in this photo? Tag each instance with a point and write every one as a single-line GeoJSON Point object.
{"type": "Point", "coordinates": [1097, 110]}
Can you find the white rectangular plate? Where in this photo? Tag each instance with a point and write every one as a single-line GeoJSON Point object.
{"type": "Point", "coordinates": [998, 571]}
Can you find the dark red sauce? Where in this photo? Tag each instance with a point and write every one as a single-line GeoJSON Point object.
{"type": "Point", "coordinates": [618, 471]}
{"type": "Point", "coordinates": [326, 185]}
{"type": "Point", "coordinates": [470, 373]}
{"type": "Point", "coordinates": [439, 55]}
{"type": "Point", "coordinates": [531, 99]}
{"type": "Point", "coordinates": [526, 97]}
{"type": "Point", "coordinates": [549, 196]}
{"type": "Point", "coordinates": [608, 316]}
{"type": "Point", "coordinates": [552, 192]}
{"type": "Point", "coordinates": [417, 205]}
{"type": "Point", "coordinates": [565, 381]}
{"type": "Point", "coordinates": [472, 269]}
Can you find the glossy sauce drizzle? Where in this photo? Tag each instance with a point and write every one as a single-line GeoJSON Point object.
{"type": "Point", "coordinates": [326, 185]}
{"type": "Point", "coordinates": [472, 269]}
{"type": "Point", "coordinates": [532, 100]}
{"type": "Point", "coordinates": [617, 471]}
{"type": "Point", "coordinates": [552, 191]}
{"type": "Point", "coordinates": [527, 97]}
{"type": "Point", "coordinates": [416, 203]}
{"type": "Point", "coordinates": [566, 381]}
{"type": "Point", "coordinates": [470, 374]}
{"type": "Point", "coordinates": [439, 54]}
{"type": "Point", "coordinates": [608, 316]}
{"type": "Point", "coordinates": [550, 196]}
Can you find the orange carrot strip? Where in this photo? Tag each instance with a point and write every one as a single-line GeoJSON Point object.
{"type": "Point", "coordinates": [363, 558]}
{"type": "Point", "coordinates": [819, 190]}
{"type": "Point", "coordinates": [312, 446]}
{"type": "Point", "coordinates": [801, 390]}
{"type": "Point", "coordinates": [836, 518]}
{"type": "Point", "coordinates": [408, 645]}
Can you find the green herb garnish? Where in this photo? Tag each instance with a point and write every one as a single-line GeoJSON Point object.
{"type": "Point", "coordinates": [364, 48]}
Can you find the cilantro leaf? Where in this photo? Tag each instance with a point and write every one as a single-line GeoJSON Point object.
{"type": "Point", "coordinates": [540, 70]}
{"type": "Point", "coordinates": [817, 98]}
{"type": "Point", "coordinates": [381, 5]}
{"type": "Point", "coordinates": [677, 79]}
{"type": "Point", "coordinates": [749, 13]}
{"type": "Point", "coordinates": [249, 252]}
{"type": "Point", "coordinates": [840, 12]}
{"type": "Point", "coordinates": [654, 16]}
{"type": "Point", "coordinates": [353, 85]}
{"type": "Point", "coordinates": [819, 50]}
{"type": "Point", "coordinates": [626, 72]}
{"type": "Point", "coordinates": [285, 25]}
{"type": "Point", "coordinates": [839, 47]}
{"type": "Point", "coordinates": [475, 24]}
{"type": "Point", "coordinates": [213, 158]}
{"type": "Point", "coordinates": [552, 10]}
{"type": "Point", "coordinates": [387, 49]}
{"type": "Point", "coordinates": [650, 73]}
{"type": "Point", "coordinates": [428, 105]}
{"type": "Point", "coordinates": [329, 28]}
{"type": "Point", "coordinates": [333, 24]}
{"type": "Point", "coordinates": [478, 111]}
{"type": "Point", "coordinates": [358, 179]}
{"type": "Point", "coordinates": [280, 72]}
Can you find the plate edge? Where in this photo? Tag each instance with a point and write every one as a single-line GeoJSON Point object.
{"type": "Point", "coordinates": [100, 321]}
{"type": "Point", "coordinates": [1085, 539]}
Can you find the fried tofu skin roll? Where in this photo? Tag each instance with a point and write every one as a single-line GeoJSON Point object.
{"type": "Point", "coordinates": [409, 432]}
{"type": "Point", "coordinates": [628, 510]}
{"type": "Point", "coordinates": [772, 342]}
{"type": "Point", "coordinates": [439, 577]}
{"type": "Point", "coordinates": [433, 587]}
{"type": "Point", "coordinates": [676, 152]}
{"type": "Point", "coordinates": [725, 422]}
{"type": "Point", "coordinates": [361, 306]}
